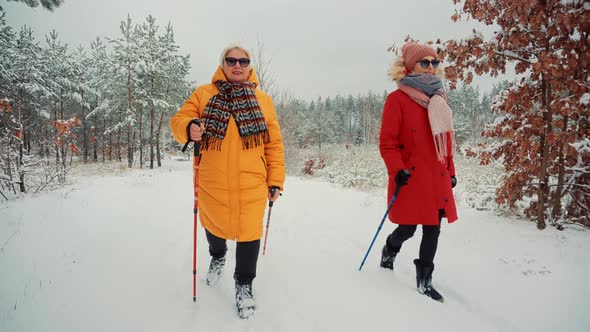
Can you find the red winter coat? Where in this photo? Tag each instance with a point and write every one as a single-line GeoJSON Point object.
{"type": "Point", "coordinates": [406, 142]}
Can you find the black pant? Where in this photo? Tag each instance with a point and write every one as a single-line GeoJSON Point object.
{"type": "Point", "coordinates": [429, 242]}
{"type": "Point", "coordinates": [246, 256]}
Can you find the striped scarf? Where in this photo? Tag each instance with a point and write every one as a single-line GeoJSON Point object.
{"type": "Point", "coordinates": [237, 100]}
{"type": "Point", "coordinates": [427, 90]}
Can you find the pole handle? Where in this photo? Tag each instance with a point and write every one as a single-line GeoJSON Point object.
{"type": "Point", "coordinates": [196, 121]}
{"type": "Point", "coordinates": [272, 193]}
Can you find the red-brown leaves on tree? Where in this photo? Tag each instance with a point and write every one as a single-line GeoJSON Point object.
{"type": "Point", "coordinates": [63, 129]}
{"type": "Point", "coordinates": [543, 114]}
{"type": "Point", "coordinates": [5, 105]}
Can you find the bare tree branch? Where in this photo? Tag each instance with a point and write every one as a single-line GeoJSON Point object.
{"type": "Point", "coordinates": [263, 70]}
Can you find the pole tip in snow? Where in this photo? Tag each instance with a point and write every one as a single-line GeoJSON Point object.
{"type": "Point", "coordinates": [194, 299]}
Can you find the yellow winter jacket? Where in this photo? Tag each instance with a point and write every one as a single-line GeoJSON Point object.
{"type": "Point", "coordinates": [233, 183]}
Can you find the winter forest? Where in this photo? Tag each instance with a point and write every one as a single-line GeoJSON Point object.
{"type": "Point", "coordinates": [111, 101]}
{"type": "Point", "coordinates": [69, 112]}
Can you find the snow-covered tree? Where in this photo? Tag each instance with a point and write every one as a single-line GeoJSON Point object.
{"type": "Point", "coordinates": [126, 59]}
{"type": "Point", "coordinates": [57, 100]}
{"type": "Point", "coordinates": [101, 81]}
{"type": "Point", "coordinates": [467, 113]}
{"type": "Point", "coordinates": [82, 93]}
{"type": "Point", "coordinates": [175, 86]}
{"type": "Point", "coordinates": [7, 53]}
{"type": "Point", "coordinates": [543, 124]}
{"type": "Point", "coordinates": [152, 74]}
{"type": "Point", "coordinates": [29, 89]}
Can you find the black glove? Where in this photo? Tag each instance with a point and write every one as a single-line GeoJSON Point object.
{"type": "Point", "coordinates": [196, 121]}
{"type": "Point", "coordinates": [453, 181]}
{"type": "Point", "coordinates": [402, 177]}
{"type": "Point", "coordinates": [272, 189]}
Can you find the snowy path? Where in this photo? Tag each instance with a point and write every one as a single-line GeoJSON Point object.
{"type": "Point", "coordinates": [113, 253]}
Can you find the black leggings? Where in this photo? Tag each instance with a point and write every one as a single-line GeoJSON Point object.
{"type": "Point", "coordinates": [246, 256]}
{"type": "Point", "coordinates": [428, 245]}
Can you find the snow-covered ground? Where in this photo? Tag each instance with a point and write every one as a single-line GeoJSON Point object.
{"type": "Point", "coordinates": [112, 252]}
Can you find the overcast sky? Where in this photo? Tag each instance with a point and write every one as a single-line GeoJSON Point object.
{"type": "Point", "coordinates": [317, 47]}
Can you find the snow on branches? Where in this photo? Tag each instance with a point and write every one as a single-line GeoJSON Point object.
{"type": "Point", "coordinates": [544, 113]}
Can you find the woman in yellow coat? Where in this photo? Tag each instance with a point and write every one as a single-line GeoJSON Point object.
{"type": "Point", "coordinates": [242, 163]}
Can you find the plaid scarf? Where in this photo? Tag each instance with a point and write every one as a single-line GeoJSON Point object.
{"type": "Point", "coordinates": [239, 100]}
{"type": "Point", "coordinates": [427, 90]}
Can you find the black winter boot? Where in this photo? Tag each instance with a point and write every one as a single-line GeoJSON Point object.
{"type": "Point", "coordinates": [245, 301]}
{"type": "Point", "coordinates": [387, 258]}
{"type": "Point", "coordinates": [424, 281]}
{"type": "Point", "coordinates": [215, 269]}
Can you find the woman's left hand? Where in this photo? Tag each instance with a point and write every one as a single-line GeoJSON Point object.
{"type": "Point", "coordinates": [273, 194]}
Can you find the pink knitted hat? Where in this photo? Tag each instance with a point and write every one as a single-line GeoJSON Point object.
{"type": "Point", "coordinates": [413, 52]}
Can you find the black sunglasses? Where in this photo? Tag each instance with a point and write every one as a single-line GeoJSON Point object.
{"type": "Point", "coordinates": [244, 62]}
{"type": "Point", "coordinates": [424, 63]}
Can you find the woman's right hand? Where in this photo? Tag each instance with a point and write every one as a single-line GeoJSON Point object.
{"type": "Point", "coordinates": [196, 131]}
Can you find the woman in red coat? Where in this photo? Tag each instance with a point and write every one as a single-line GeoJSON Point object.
{"type": "Point", "coordinates": [416, 143]}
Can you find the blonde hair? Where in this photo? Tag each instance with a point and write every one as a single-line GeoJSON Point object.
{"type": "Point", "coordinates": [397, 70]}
{"type": "Point", "coordinates": [231, 47]}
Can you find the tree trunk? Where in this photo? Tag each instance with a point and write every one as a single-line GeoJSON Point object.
{"type": "Point", "coordinates": [543, 174]}
{"type": "Point", "coordinates": [95, 149]}
{"type": "Point", "coordinates": [129, 141]}
{"type": "Point", "coordinates": [119, 155]}
{"type": "Point", "coordinates": [8, 163]}
{"type": "Point", "coordinates": [95, 135]}
{"type": "Point", "coordinates": [158, 140]}
{"type": "Point", "coordinates": [129, 146]}
{"type": "Point", "coordinates": [140, 136]}
{"type": "Point", "coordinates": [105, 146]}
{"type": "Point", "coordinates": [95, 131]}
{"type": "Point", "coordinates": [27, 135]}
{"type": "Point", "coordinates": [63, 145]}
{"type": "Point", "coordinates": [45, 154]}
{"type": "Point", "coordinates": [111, 147]}
{"type": "Point", "coordinates": [55, 136]}
{"type": "Point", "coordinates": [20, 164]}
{"type": "Point", "coordinates": [556, 212]}
{"type": "Point", "coordinates": [84, 129]}
{"type": "Point", "coordinates": [152, 115]}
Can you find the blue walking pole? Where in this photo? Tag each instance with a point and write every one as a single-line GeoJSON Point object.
{"type": "Point", "coordinates": [380, 225]}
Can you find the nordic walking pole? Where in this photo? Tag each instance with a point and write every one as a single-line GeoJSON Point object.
{"type": "Point", "coordinates": [397, 188]}
{"type": "Point", "coordinates": [272, 193]}
{"type": "Point", "coordinates": [195, 213]}
{"type": "Point", "coordinates": [196, 146]}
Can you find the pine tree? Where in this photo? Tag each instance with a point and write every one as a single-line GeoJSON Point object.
{"type": "Point", "coordinates": [30, 88]}
{"type": "Point", "coordinates": [57, 71]}
{"type": "Point", "coordinates": [100, 81]}
{"type": "Point", "coordinates": [467, 117]}
{"type": "Point", "coordinates": [152, 73]}
{"type": "Point", "coordinates": [175, 86]}
{"type": "Point", "coordinates": [7, 53]}
{"type": "Point", "coordinates": [126, 59]}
